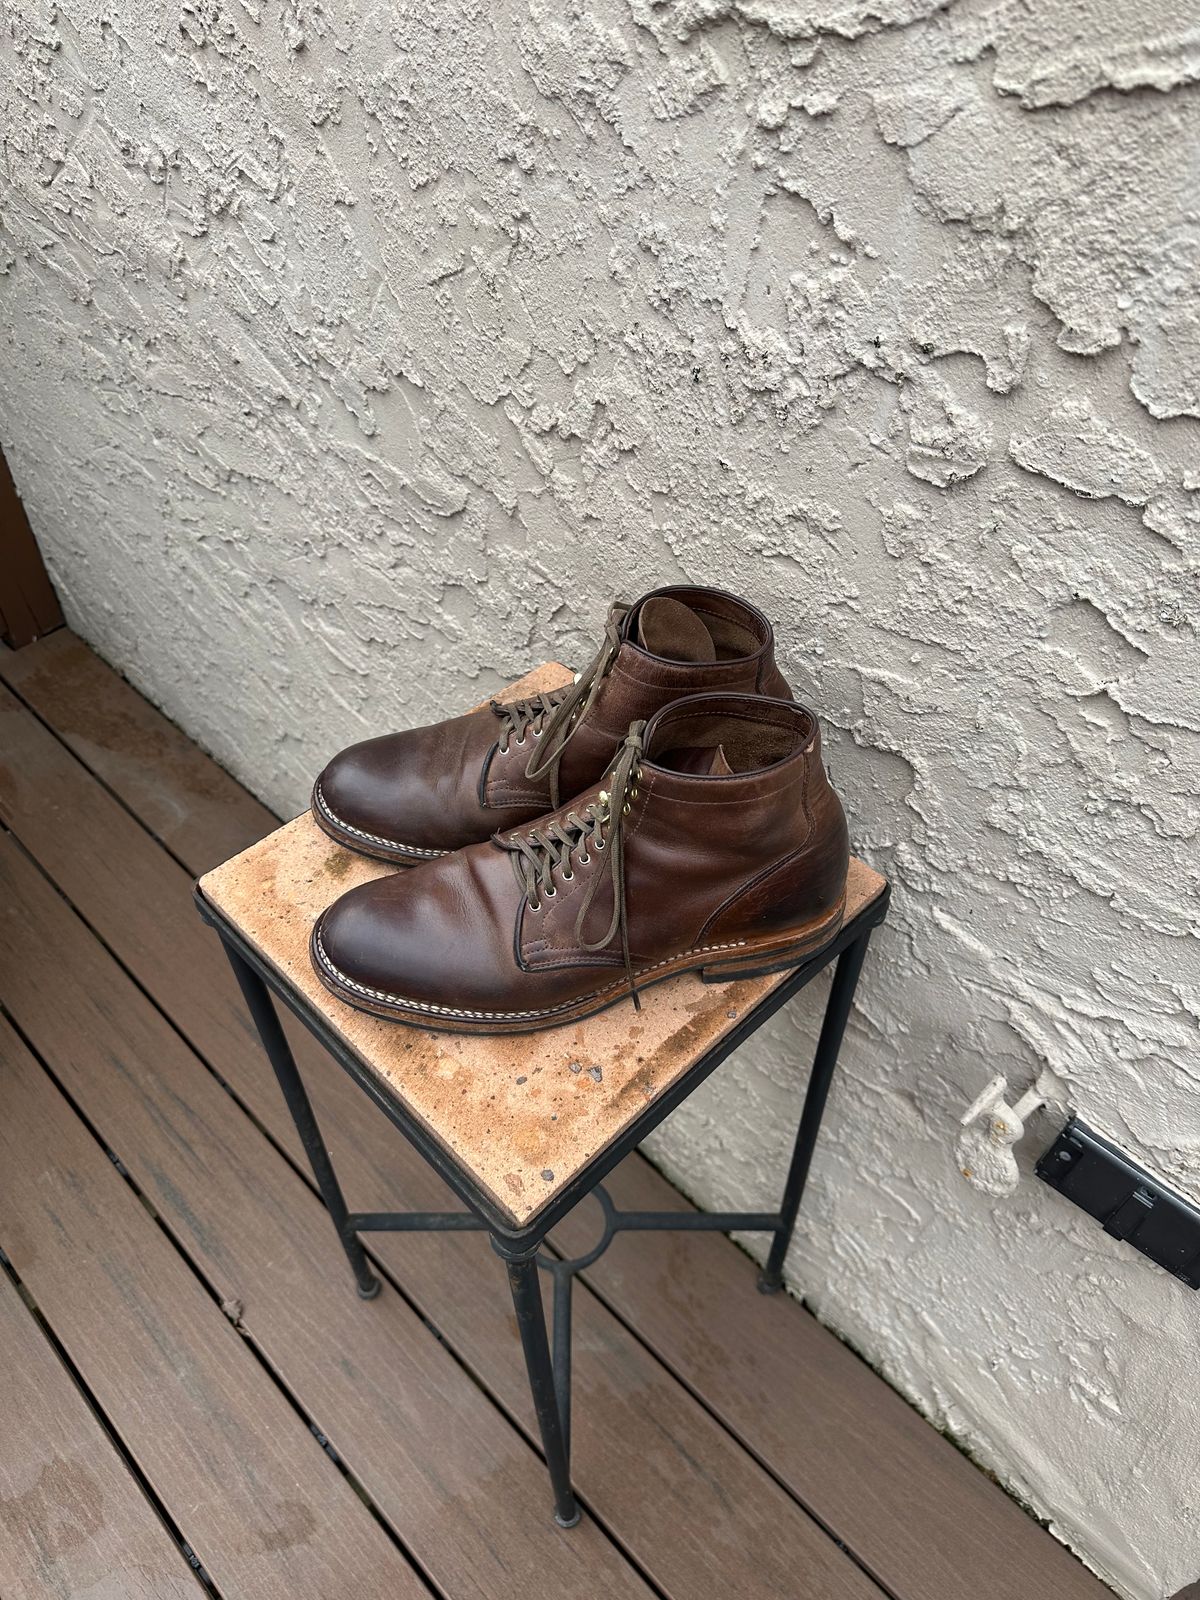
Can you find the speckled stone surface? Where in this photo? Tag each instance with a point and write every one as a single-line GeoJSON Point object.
{"type": "Point", "coordinates": [524, 1114]}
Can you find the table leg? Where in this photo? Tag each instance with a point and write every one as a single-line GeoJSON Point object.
{"type": "Point", "coordinates": [837, 1011]}
{"type": "Point", "coordinates": [274, 1041]}
{"type": "Point", "coordinates": [531, 1322]}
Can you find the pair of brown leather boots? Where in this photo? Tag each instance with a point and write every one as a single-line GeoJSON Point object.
{"type": "Point", "coordinates": [667, 811]}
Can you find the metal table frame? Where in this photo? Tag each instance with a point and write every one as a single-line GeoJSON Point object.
{"type": "Point", "coordinates": [520, 1248]}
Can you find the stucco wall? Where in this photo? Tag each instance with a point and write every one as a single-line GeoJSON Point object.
{"type": "Point", "coordinates": [356, 355]}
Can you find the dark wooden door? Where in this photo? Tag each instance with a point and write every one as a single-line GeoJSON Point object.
{"type": "Point", "coordinates": [28, 604]}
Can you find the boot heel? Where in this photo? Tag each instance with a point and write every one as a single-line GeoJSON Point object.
{"type": "Point", "coordinates": [765, 961]}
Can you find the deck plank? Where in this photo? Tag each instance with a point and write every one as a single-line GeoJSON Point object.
{"type": "Point", "coordinates": [127, 887]}
{"type": "Point", "coordinates": [74, 1523]}
{"type": "Point", "coordinates": [239, 1473]}
{"type": "Point", "coordinates": [649, 1461]}
{"type": "Point", "coordinates": [185, 799]}
{"type": "Point", "coordinates": [460, 1486]}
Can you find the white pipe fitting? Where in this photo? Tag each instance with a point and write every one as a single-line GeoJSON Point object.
{"type": "Point", "coordinates": [991, 1126]}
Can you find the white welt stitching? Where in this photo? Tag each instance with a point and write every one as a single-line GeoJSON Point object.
{"type": "Point", "coordinates": [371, 838]}
{"type": "Point", "coordinates": [501, 1016]}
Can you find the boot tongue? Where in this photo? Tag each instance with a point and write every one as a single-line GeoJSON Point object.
{"type": "Point", "coordinates": [672, 630]}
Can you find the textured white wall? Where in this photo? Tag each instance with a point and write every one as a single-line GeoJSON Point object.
{"type": "Point", "coordinates": [357, 354]}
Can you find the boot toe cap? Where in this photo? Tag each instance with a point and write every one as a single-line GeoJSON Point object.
{"type": "Point", "coordinates": [350, 795]}
{"type": "Point", "coordinates": [365, 943]}
{"type": "Point", "coordinates": [395, 943]}
{"type": "Point", "coordinates": [406, 796]}
{"type": "Point", "coordinates": [435, 942]}
{"type": "Point", "coordinates": [371, 797]}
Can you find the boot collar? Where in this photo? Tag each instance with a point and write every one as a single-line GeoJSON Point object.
{"type": "Point", "coordinates": [767, 742]}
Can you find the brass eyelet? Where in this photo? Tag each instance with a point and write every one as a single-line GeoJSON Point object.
{"type": "Point", "coordinates": [625, 809]}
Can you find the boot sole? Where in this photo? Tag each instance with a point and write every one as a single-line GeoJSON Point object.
{"type": "Point", "coordinates": [715, 964]}
{"type": "Point", "coordinates": [367, 844]}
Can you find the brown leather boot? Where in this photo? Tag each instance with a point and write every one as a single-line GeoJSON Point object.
{"type": "Point", "coordinates": [413, 796]}
{"type": "Point", "coordinates": [715, 842]}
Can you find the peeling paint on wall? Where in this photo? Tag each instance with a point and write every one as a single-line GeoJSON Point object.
{"type": "Point", "coordinates": [357, 356]}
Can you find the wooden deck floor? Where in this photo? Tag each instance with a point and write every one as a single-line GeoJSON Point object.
{"type": "Point", "coordinates": [195, 1400]}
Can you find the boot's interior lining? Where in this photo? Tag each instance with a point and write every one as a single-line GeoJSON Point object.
{"type": "Point", "coordinates": [746, 745]}
{"type": "Point", "coordinates": [675, 631]}
{"type": "Point", "coordinates": [680, 630]}
{"type": "Point", "coordinates": [731, 638]}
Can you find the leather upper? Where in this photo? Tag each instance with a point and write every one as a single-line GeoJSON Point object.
{"type": "Point", "coordinates": [434, 789]}
{"type": "Point", "coordinates": [732, 834]}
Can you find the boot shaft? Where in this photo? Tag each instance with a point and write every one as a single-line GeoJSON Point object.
{"type": "Point", "coordinates": [416, 795]}
{"type": "Point", "coordinates": [673, 642]}
{"type": "Point", "coordinates": [731, 829]}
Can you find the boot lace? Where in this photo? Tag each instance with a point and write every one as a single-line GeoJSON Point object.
{"type": "Point", "coordinates": [553, 718]}
{"type": "Point", "coordinates": [521, 717]}
{"type": "Point", "coordinates": [598, 826]}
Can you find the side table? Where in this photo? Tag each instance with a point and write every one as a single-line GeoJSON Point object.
{"type": "Point", "coordinates": [521, 1128]}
